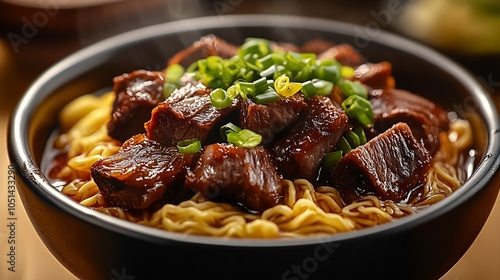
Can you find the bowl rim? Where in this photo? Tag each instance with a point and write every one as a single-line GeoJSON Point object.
{"type": "Point", "coordinates": [88, 57]}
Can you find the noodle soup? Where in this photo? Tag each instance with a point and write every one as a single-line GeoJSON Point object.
{"type": "Point", "coordinates": [279, 149]}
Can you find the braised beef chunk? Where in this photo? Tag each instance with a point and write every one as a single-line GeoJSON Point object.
{"type": "Point", "coordinates": [272, 118]}
{"type": "Point", "coordinates": [137, 94]}
{"type": "Point", "coordinates": [316, 46]}
{"type": "Point", "coordinates": [141, 173]}
{"type": "Point", "coordinates": [300, 151]}
{"type": "Point", "coordinates": [343, 53]}
{"type": "Point", "coordinates": [206, 46]}
{"type": "Point", "coordinates": [229, 173]}
{"type": "Point", "coordinates": [284, 47]}
{"type": "Point", "coordinates": [425, 118]}
{"type": "Point", "coordinates": [391, 166]}
{"type": "Point", "coordinates": [187, 113]}
{"type": "Point", "coordinates": [375, 75]}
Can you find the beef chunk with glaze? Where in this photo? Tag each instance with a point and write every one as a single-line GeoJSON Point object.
{"type": "Point", "coordinates": [392, 166]}
{"type": "Point", "coordinates": [137, 93]}
{"type": "Point", "coordinates": [343, 53]}
{"type": "Point", "coordinates": [246, 176]}
{"type": "Point", "coordinates": [206, 46]}
{"type": "Point", "coordinates": [375, 75]}
{"type": "Point", "coordinates": [300, 151]}
{"type": "Point", "coordinates": [187, 113]}
{"type": "Point", "coordinates": [142, 173]}
{"type": "Point", "coordinates": [425, 118]}
{"type": "Point", "coordinates": [273, 118]}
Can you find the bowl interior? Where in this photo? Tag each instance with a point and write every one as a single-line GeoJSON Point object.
{"type": "Point", "coordinates": [415, 68]}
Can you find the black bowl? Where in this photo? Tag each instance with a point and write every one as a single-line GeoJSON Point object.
{"type": "Point", "coordinates": [95, 246]}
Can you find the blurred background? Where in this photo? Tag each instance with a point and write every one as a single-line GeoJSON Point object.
{"type": "Point", "coordinates": [37, 33]}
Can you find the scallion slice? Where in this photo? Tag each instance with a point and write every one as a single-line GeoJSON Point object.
{"type": "Point", "coordinates": [358, 108]}
{"type": "Point", "coordinates": [353, 88]}
{"type": "Point", "coordinates": [266, 97]}
{"type": "Point", "coordinates": [173, 74]}
{"type": "Point", "coordinates": [228, 128]}
{"type": "Point", "coordinates": [344, 145]}
{"type": "Point", "coordinates": [245, 138]}
{"type": "Point", "coordinates": [331, 159]}
{"type": "Point", "coordinates": [240, 137]}
{"type": "Point", "coordinates": [352, 138]}
{"type": "Point", "coordinates": [189, 146]}
{"type": "Point", "coordinates": [220, 99]}
{"type": "Point", "coordinates": [361, 134]}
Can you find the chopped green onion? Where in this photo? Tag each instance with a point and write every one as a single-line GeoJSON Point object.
{"type": "Point", "coordinates": [358, 108]}
{"type": "Point", "coordinates": [294, 61]}
{"type": "Point", "coordinates": [323, 87]}
{"type": "Point", "coordinates": [272, 71]}
{"type": "Point", "coordinates": [266, 61]}
{"type": "Point", "coordinates": [234, 91]}
{"type": "Point", "coordinates": [267, 97]}
{"type": "Point", "coordinates": [353, 88]}
{"type": "Point", "coordinates": [331, 159]}
{"type": "Point", "coordinates": [260, 85]}
{"type": "Point", "coordinates": [168, 88]}
{"type": "Point", "coordinates": [220, 99]}
{"type": "Point", "coordinates": [361, 134]}
{"type": "Point", "coordinates": [316, 87]}
{"type": "Point", "coordinates": [344, 145]}
{"type": "Point", "coordinates": [173, 74]}
{"type": "Point", "coordinates": [189, 146]}
{"type": "Point", "coordinates": [329, 73]}
{"type": "Point", "coordinates": [247, 88]}
{"type": "Point", "coordinates": [240, 137]}
{"type": "Point", "coordinates": [284, 87]}
{"type": "Point", "coordinates": [352, 138]}
{"type": "Point", "coordinates": [255, 47]}
{"type": "Point", "coordinates": [308, 89]}
{"type": "Point", "coordinates": [244, 138]}
{"type": "Point", "coordinates": [228, 128]}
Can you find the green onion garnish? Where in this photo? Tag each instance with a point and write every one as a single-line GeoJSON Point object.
{"type": "Point", "coordinates": [267, 97]}
{"type": "Point", "coordinates": [260, 85]}
{"type": "Point", "coordinates": [245, 138]}
{"type": "Point", "coordinates": [228, 128]}
{"type": "Point", "coordinates": [353, 88]}
{"type": "Point", "coordinates": [361, 133]}
{"type": "Point", "coordinates": [189, 146]}
{"type": "Point", "coordinates": [358, 108]}
{"type": "Point", "coordinates": [173, 74]}
{"type": "Point", "coordinates": [331, 159]}
{"type": "Point", "coordinates": [344, 145]}
{"type": "Point", "coordinates": [220, 99]}
{"type": "Point", "coordinates": [316, 87]}
{"type": "Point", "coordinates": [352, 138]}
{"type": "Point", "coordinates": [328, 73]}
{"type": "Point", "coordinates": [240, 137]}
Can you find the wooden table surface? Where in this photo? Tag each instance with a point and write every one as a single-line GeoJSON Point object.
{"type": "Point", "coordinates": [62, 31]}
